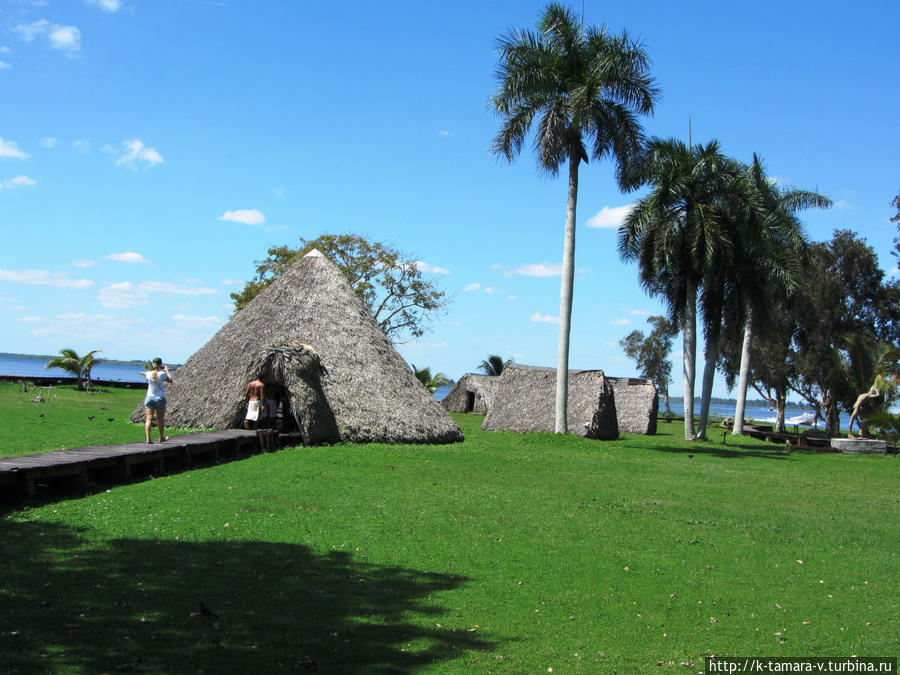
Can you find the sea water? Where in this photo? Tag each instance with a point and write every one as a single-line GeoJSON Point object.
{"type": "Point", "coordinates": [35, 366]}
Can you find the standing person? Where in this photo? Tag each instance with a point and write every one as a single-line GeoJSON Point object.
{"type": "Point", "coordinates": [156, 398]}
{"type": "Point", "coordinates": [256, 392]}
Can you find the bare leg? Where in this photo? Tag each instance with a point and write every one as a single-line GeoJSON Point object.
{"type": "Point", "coordinates": [148, 423]}
{"type": "Point", "coordinates": [161, 423]}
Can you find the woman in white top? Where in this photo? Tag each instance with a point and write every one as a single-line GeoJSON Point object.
{"type": "Point", "coordinates": [156, 398]}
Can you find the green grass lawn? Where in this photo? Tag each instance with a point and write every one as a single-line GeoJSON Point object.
{"type": "Point", "coordinates": [506, 553]}
{"type": "Point", "coordinates": [63, 420]}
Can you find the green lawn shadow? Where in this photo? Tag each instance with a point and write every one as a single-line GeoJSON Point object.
{"type": "Point", "coordinates": [131, 604]}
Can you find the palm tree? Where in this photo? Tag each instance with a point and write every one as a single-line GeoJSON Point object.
{"type": "Point", "coordinates": [79, 366]}
{"type": "Point", "coordinates": [586, 88]}
{"type": "Point", "coordinates": [774, 250]}
{"type": "Point", "coordinates": [494, 365]}
{"type": "Point", "coordinates": [677, 235]}
{"type": "Point", "coordinates": [431, 382]}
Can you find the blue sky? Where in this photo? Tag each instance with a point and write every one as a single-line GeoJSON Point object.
{"type": "Point", "coordinates": [150, 153]}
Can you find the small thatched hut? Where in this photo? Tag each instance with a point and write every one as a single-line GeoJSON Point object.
{"type": "Point", "coordinates": [309, 333]}
{"type": "Point", "coordinates": [526, 395]}
{"type": "Point", "coordinates": [637, 405]}
{"type": "Point", "coordinates": [472, 394]}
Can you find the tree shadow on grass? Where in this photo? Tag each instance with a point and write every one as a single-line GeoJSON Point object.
{"type": "Point", "coordinates": [69, 604]}
{"type": "Point", "coordinates": [733, 450]}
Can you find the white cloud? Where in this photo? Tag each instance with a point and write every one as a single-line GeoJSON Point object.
{"type": "Point", "coordinates": [122, 295]}
{"type": "Point", "coordinates": [245, 216]}
{"type": "Point", "coordinates": [231, 282]}
{"type": "Point", "coordinates": [84, 263]}
{"type": "Point", "coordinates": [540, 270]}
{"type": "Point", "coordinates": [279, 192]}
{"type": "Point", "coordinates": [173, 289]}
{"type": "Point", "coordinates": [433, 269]}
{"type": "Point", "coordinates": [32, 319]}
{"type": "Point", "coordinates": [638, 312]}
{"type": "Point", "coordinates": [135, 155]}
{"type": "Point", "coordinates": [29, 32]}
{"type": "Point", "coordinates": [843, 205]}
{"type": "Point", "coordinates": [5, 50]}
{"type": "Point", "coordinates": [110, 6]}
{"type": "Point", "coordinates": [543, 318]}
{"type": "Point", "coordinates": [65, 38]}
{"type": "Point", "coordinates": [17, 182]}
{"type": "Point", "coordinates": [43, 278]}
{"type": "Point", "coordinates": [445, 132]}
{"type": "Point", "coordinates": [48, 142]}
{"type": "Point", "coordinates": [127, 257]}
{"type": "Point", "coordinates": [191, 322]}
{"type": "Point", "coordinates": [894, 272]}
{"type": "Point", "coordinates": [620, 322]}
{"type": "Point", "coordinates": [610, 217]}
{"type": "Point", "coordinates": [472, 287]}
{"type": "Point", "coordinates": [82, 146]}
{"type": "Point", "coordinates": [5, 66]}
{"type": "Point", "coordinates": [9, 149]}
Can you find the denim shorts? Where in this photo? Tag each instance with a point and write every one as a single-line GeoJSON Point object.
{"type": "Point", "coordinates": [157, 403]}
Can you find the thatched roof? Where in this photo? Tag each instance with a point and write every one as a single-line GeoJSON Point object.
{"type": "Point", "coordinates": [345, 379]}
{"type": "Point", "coordinates": [637, 405]}
{"type": "Point", "coordinates": [526, 396]}
{"type": "Point", "coordinates": [472, 394]}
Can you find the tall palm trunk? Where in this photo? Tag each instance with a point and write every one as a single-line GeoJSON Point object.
{"type": "Point", "coordinates": [565, 301]}
{"type": "Point", "coordinates": [689, 329]}
{"type": "Point", "coordinates": [711, 354]}
{"type": "Point", "coordinates": [744, 378]}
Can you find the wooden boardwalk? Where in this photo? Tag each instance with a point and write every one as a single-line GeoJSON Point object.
{"type": "Point", "coordinates": [79, 467]}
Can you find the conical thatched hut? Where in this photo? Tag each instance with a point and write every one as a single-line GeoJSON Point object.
{"type": "Point", "coordinates": [526, 395]}
{"type": "Point", "coordinates": [472, 394]}
{"type": "Point", "coordinates": [311, 334]}
{"type": "Point", "coordinates": [637, 405]}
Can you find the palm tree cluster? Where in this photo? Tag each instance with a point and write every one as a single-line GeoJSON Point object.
{"type": "Point", "coordinates": [717, 235]}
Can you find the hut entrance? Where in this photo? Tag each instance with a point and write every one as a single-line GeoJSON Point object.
{"type": "Point", "coordinates": [470, 401]}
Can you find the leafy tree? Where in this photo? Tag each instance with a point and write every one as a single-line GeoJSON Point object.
{"type": "Point", "coordinates": [651, 353]}
{"type": "Point", "coordinates": [389, 282]}
{"type": "Point", "coordinates": [677, 235]}
{"type": "Point", "coordinates": [843, 292]}
{"type": "Point", "coordinates": [494, 365]}
{"type": "Point", "coordinates": [79, 366]}
{"type": "Point", "coordinates": [586, 89]}
{"type": "Point", "coordinates": [431, 382]}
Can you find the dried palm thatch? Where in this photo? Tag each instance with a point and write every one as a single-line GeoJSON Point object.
{"type": "Point", "coordinates": [637, 405]}
{"type": "Point", "coordinates": [526, 395]}
{"type": "Point", "coordinates": [472, 394]}
{"type": "Point", "coordinates": [310, 333]}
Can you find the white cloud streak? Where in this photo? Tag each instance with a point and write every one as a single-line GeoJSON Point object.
{"type": "Point", "coordinates": [245, 216]}
{"type": "Point", "coordinates": [127, 257]}
{"type": "Point", "coordinates": [432, 269]}
{"type": "Point", "coordinates": [17, 182]}
{"type": "Point", "coordinates": [43, 278]}
{"type": "Point", "coordinates": [543, 318]}
{"type": "Point", "coordinates": [135, 155]}
{"type": "Point", "coordinates": [9, 149]}
{"type": "Point", "coordinates": [540, 270]}
{"type": "Point", "coordinates": [610, 217]}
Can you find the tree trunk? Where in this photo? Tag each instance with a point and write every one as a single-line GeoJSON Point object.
{"type": "Point", "coordinates": [711, 355]}
{"type": "Point", "coordinates": [565, 301]}
{"type": "Point", "coordinates": [832, 417]}
{"type": "Point", "coordinates": [744, 378]}
{"type": "Point", "coordinates": [780, 402]}
{"type": "Point", "coordinates": [689, 330]}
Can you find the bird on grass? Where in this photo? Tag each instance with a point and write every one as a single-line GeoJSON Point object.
{"type": "Point", "coordinates": [110, 419]}
{"type": "Point", "coordinates": [91, 418]}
